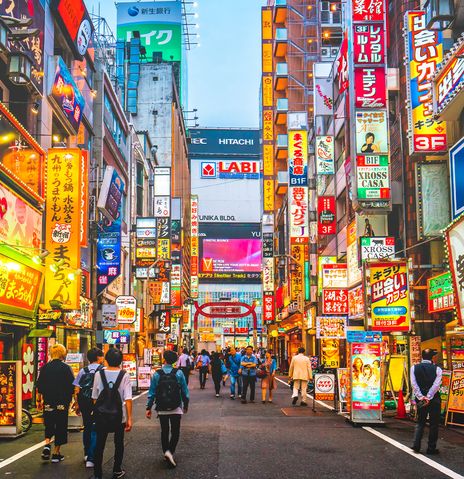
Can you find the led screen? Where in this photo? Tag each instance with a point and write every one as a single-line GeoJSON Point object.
{"type": "Point", "coordinates": [231, 255]}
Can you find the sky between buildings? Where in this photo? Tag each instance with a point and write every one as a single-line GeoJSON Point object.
{"type": "Point", "coordinates": [224, 72]}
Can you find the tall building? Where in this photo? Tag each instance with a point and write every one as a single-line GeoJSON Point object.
{"type": "Point", "coordinates": [225, 166]}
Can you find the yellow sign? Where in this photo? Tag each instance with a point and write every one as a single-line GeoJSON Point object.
{"type": "Point", "coordinates": [268, 160]}
{"type": "Point", "coordinates": [268, 125]}
{"type": "Point", "coordinates": [194, 246]}
{"type": "Point", "coordinates": [330, 354]}
{"type": "Point", "coordinates": [321, 260]}
{"type": "Point", "coordinates": [164, 248]}
{"type": "Point", "coordinates": [267, 57]}
{"type": "Point", "coordinates": [389, 296]}
{"type": "Point", "coordinates": [268, 91]}
{"type": "Point", "coordinates": [266, 24]}
{"type": "Point", "coordinates": [268, 195]}
{"type": "Point", "coordinates": [297, 278]}
{"type": "Point", "coordinates": [62, 228]}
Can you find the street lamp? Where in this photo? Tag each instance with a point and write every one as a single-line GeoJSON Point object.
{"type": "Point", "coordinates": [439, 14]}
{"type": "Point", "coordinates": [19, 70]}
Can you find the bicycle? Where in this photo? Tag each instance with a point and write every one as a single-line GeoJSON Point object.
{"type": "Point", "coordinates": [26, 421]}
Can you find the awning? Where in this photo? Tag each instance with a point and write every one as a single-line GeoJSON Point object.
{"type": "Point", "coordinates": [41, 333]}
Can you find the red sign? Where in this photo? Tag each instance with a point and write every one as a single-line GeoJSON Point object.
{"type": "Point", "coordinates": [369, 44]}
{"type": "Point", "coordinates": [268, 308]}
{"type": "Point", "coordinates": [326, 215]}
{"type": "Point", "coordinates": [356, 303]}
{"type": "Point", "coordinates": [335, 301]}
{"type": "Point", "coordinates": [370, 87]}
{"type": "Point", "coordinates": [226, 330]}
{"type": "Point", "coordinates": [342, 65]}
{"type": "Point", "coordinates": [368, 10]}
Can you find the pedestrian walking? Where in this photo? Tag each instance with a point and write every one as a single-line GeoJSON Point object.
{"type": "Point", "coordinates": [184, 364]}
{"type": "Point", "coordinates": [202, 364]}
{"type": "Point", "coordinates": [248, 366]}
{"type": "Point", "coordinates": [55, 388]}
{"type": "Point", "coordinates": [83, 391]}
{"type": "Point", "coordinates": [169, 392]}
{"type": "Point", "coordinates": [218, 370]}
{"type": "Point", "coordinates": [112, 392]}
{"type": "Point", "coordinates": [268, 383]}
{"type": "Point", "coordinates": [234, 360]}
{"type": "Point", "coordinates": [426, 381]}
{"type": "Point", "coordinates": [300, 372]}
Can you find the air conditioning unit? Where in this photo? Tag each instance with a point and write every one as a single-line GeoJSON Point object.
{"type": "Point", "coordinates": [325, 51]}
{"type": "Point", "coordinates": [334, 51]}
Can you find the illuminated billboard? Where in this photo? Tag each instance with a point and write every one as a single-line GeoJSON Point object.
{"type": "Point", "coordinates": [231, 255]}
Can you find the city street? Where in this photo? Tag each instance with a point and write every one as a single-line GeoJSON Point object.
{"type": "Point", "coordinates": [225, 439]}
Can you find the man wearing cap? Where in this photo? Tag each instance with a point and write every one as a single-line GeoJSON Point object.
{"type": "Point", "coordinates": [426, 381]}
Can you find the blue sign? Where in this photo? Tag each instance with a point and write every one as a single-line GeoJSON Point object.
{"type": "Point", "coordinates": [108, 253]}
{"type": "Point", "coordinates": [457, 178]}
{"type": "Point", "coordinates": [224, 141]}
{"type": "Point", "coordinates": [66, 95]}
{"type": "Point", "coordinates": [116, 336]}
{"type": "Point", "coordinates": [364, 336]}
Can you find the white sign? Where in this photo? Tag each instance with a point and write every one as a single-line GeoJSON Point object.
{"type": "Point", "coordinates": [377, 248]}
{"type": "Point", "coordinates": [455, 239]}
{"type": "Point", "coordinates": [126, 309]}
{"type": "Point", "coordinates": [325, 155]}
{"type": "Point", "coordinates": [109, 316]}
{"type": "Point", "coordinates": [162, 206]}
{"type": "Point", "coordinates": [268, 274]}
{"type": "Point", "coordinates": [334, 276]}
{"type": "Point", "coordinates": [324, 386]}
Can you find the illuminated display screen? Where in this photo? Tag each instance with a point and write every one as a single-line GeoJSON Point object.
{"type": "Point", "coordinates": [231, 255]}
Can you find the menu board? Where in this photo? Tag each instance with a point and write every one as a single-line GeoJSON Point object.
{"type": "Point", "coordinates": [444, 389]}
{"type": "Point", "coordinates": [144, 377]}
{"type": "Point", "coordinates": [456, 396]}
{"type": "Point", "coordinates": [10, 396]}
{"type": "Point", "coordinates": [129, 364]}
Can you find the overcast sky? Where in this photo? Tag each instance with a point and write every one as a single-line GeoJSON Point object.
{"type": "Point", "coordinates": [224, 72]}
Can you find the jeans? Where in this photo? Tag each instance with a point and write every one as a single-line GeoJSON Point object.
{"type": "Point", "coordinates": [432, 410]}
{"type": "Point", "coordinates": [249, 381]}
{"type": "Point", "coordinates": [303, 385]}
{"type": "Point", "coordinates": [170, 423]}
{"type": "Point", "coordinates": [56, 423]}
{"type": "Point", "coordinates": [186, 372]}
{"type": "Point", "coordinates": [235, 380]}
{"type": "Point", "coordinates": [89, 436]}
{"type": "Point", "coordinates": [102, 435]}
{"type": "Point", "coordinates": [202, 375]}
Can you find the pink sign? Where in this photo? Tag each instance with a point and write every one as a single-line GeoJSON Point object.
{"type": "Point", "coordinates": [370, 87]}
{"type": "Point", "coordinates": [368, 10]}
{"type": "Point", "coordinates": [369, 44]}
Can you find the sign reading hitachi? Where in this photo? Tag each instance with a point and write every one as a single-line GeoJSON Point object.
{"type": "Point", "coordinates": [224, 141]}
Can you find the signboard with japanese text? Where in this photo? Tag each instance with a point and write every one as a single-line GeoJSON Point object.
{"type": "Point", "coordinates": [368, 10]}
{"type": "Point", "coordinates": [268, 307]}
{"type": "Point", "coordinates": [369, 44]}
{"type": "Point", "coordinates": [342, 65]}
{"type": "Point", "coordinates": [163, 322]}
{"type": "Point", "coordinates": [456, 169]}
{"type": "Point", "coordinates": [326, 216]}
{"type": "Point", "coordinates": [440, 293]}
{"type": "Point", "coordinates": [354, 272]}
{"type": "Point", "coordinates": [126, 309]}
{"type": "Point", "coordinates": [119, 336]}
{"type": "Point", "coordinates": [10, 397]}
{"type": "Point", "coordinates": [108, 315]}
{"type": "Point", "coordinates": [62, 229]}
{"type": "Point", "coordinates": [455, 242]}
{"type": "Point", "coordinates": [268, 194]}
{"type": "Point", "coordinates": [375, 247]}
{"type": "Point", "coordinates": [194, 246]}
{"type": "Point", "coordinates": [323, 96]}
{"type": "Point", "coordinates": [297, 279]}
{"type": "Point", "coordinates": [111, 194]}
{"type": "Point", "coordinates": [373, 177]}
{"type": "Point", "coordinates": [371, 131]}
{"type": "Point", "coordinates": [298, 158]}
{"type": "Point", "coordinates": [330, 327]}
{"type": "Point", "coordinates": [334, 276]}
{"type": "Point", "coordinates": [84, 198]}
{"type": "Point", "coordinates": [158, 23]}
{"type": "Point", "coordinates": [424, 49]}
{"type": "Point", "coordinates": [109, 257]}
{"type": "Point", "coordinates": [27, 357]}
{"type": "Point", "coordinates": [268, 274]}
{"type": "Point", "coordinates": [356, 304]}
{"type": "Point", "coordinates": [324, 387]}
{"type": "Point", "coordinates": [456, 393]}
{"type": "Point", "coordinates": [299, 214]}
{"type": "Point", "coordinates": [370, 87]}
{"type": "Point", "coordinates": [387, 295]}
{"type": "Point", "coordinates": [325, 155]}
{"type": "Point", "coordinates": [335, 301]}
{"type": "Point", "coordinates": [268, 91]}
{"type": "Point", "coordinates": [321, 261]}
{"type": "Point", "coordinates": [66, 95]}
{"type": "Point", "coordinates": [268, 160]}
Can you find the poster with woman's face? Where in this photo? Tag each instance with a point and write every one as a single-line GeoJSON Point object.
{"type": "Point", "coordinates": [371, 132]}
{"type": "Point", "coordinates": [365, 375]}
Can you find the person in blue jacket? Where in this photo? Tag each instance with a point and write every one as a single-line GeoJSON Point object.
{"type": "Point", "coordinates": [169, 392]}
{"type": "Point", "coordinates": [268, 383]}
{"type": "Point", "coordinates": [233, 363]}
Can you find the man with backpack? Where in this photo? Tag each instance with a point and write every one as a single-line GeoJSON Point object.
{"type": "Point", "coordinates": [169, 392]}
{"type": "Point", "coordinates": [112, 392]}
{"type": "Point", "coordinates": [83, 391]}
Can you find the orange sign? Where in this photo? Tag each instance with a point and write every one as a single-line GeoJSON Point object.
{"type": "Point", "coordinates": [268, 160]}
{"type": "Point", "coordinates": [63, 226]}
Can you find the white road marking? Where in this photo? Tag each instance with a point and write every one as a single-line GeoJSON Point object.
{"type": "Point", "coordinates": [309, 395]}
{"type": "Point", "coordinates": [439, 467]}
{"type": "Point", "coordinates": [443, 469]}
{"type": "Point", "coordinates": [33, 448]}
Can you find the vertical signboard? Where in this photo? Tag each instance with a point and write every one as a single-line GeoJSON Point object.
{"type": "Point", "coordinates": [440, 293]}
{"type": "Point", "coordinates": [62, 229]}
{"type": "Point", "coordinates": [10, 397]}
{"type": "Point", "coordinates": [326, 216]}
{"type": "Point", "coordinates": [424, 50]}
{"type": "Point", "coordinates": [194, 246]}
{"type": "Point", "coordinates": [298, 158]}
{"type": "Point", "coordinates": [455, 246]}
{"type": "Point", "coordinates": [325, 155]}
{"type": "Point", "coordinates": [456, 157]}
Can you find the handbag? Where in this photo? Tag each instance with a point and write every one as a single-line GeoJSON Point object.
{"type": "Point", "coordinates": [261, 372]}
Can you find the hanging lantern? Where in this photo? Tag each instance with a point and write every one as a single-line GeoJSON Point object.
{"type": "Point", "coordinates": [19, 71]}
{"type": "Point", "coordinates": [439, 14]}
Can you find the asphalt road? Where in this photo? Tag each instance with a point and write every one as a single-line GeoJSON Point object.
{"type": "Point", "coordinates": [225, 439]}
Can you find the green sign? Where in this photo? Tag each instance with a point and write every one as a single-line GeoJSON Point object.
{"type": "Point", "coordinates": [373, 177]}
{"type": "Point", "coordinates": [440, 293]}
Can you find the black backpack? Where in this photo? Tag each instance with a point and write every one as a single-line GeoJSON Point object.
{"type": "Point", "coordinates": [168, 393]}
{"type": "Point", "coordinates": [84, 397]}
{"type": "Point", "coordinates": [108, 408]}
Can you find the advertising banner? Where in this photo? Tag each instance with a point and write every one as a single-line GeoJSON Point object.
{"type": "Point", "coordinates": [424, 49]}
{"type": "Point", "coordinates": [370, 87]}
{"type": "Point", "coordinates": [388, 295]}
{"type": "Point", "coordinates": [119, 336]}
{"type": "Point", "coordinates": [330, 353]}
{"type": "Point", "coordinates": [456, 167]}
{"type": "Point", "coordinates": [84, 198]}
{"type": "Point", "coordinates": [354, 271]}
{"type": "Point", "coordinates": [373, 177]}
{"type": "Point", "coordinates": [62, 228]}
{"type": "Point", "coordinates": [356, 309]}
{"type": "Point", "coordinates": [297, 279]}
{"type": "Point", "coordinates": [371, 131]}
{"type": "Point", "coordinates": [298, 158]}
{"type": "Point", "coordinates": [111, 192]}
{"type": "Point", "coordinates": [432, 198]}
{"type": "Point", "coordinates": [455, 243]}
{"type": "Point", "coordinates": [376, 247]}
{"type": "Point", "coordinates": [10, 397]}
{"type": "Point", "coordinates": [144, 377]}
{"type": "Point", "coordinates": [343, 381]}
{"type": "Point", "coordinates": [268, 274]}
{"type": "Point", "coordinates": [342, 65]}
{"type": "Point", "coordinates": [325, 155]}
{"type": "Point", "coordinates": [194, 246]}
{"type": "Point", "coordinates": [268, 307]}
{"type": "Point", "coordinates": [321, 260]}
{"type": "Point", "coordinates": [299, 215]}
{"type": "Point", "coordinates": [366, 376]}
{"type": "Point", "coordinates": [109, 316]}
{"type": "Point", "coordinates": [323, 96]}
{"type": "Point", "coordinates": [334, 276]}
{"type": "Point", "coordinates": [335, 301]}
{"type": "Point", "coordinates": [440, 293]}
{"type": "Point", "coordinates": [27, 370]}
{"type": "Point", "coordinates": [326, 215]}
{"type": "Point", "coordinates": [159, 24]}
{"type": "Point", "coordinates": [126, 309]}
{"type": "Point", "coordinates": [330, 327]}
{"type": "Point", "coordinates": [456, 392]}
{"type": "Point", "coordinates": [324, 387]}
{"type": "Point", "coordinates": [369, 44]}
{"type": "Point", "coordinates": [367, 10]}
{"type": "Point", "coordinates": [108, 253]}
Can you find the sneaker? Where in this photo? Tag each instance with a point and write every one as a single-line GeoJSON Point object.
{"type": "Point", "coordinates": [85, 458]}
{"type": "Point", "coordinates": [89, 464]}
{"type": "Point", "coordinates": [217, 395]}
{"type": "Point", "coordinates": [46, 453]}
{"type": "Point", "coordinates": [295, 400]}
{"type": "Point", "coordinates": [117, 475]}
{"type": "Point", "coordinates": [232, 397]}
{"type": "Point", "coordinates": [303, 404]}
{"type": "Point", "coordinates": [168, 455]}
{"type": "Point", "coordinates": [432, 452]}
{"type": "Point", "coordinates": [57, 458]}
